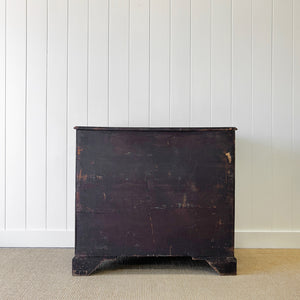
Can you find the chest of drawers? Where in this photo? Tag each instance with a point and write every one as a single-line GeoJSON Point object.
{"type": "Point", "coordinates": [154, 192]}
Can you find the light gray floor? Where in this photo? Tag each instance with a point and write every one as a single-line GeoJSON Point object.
{"type": "Point", "coordinates": [31, 273]}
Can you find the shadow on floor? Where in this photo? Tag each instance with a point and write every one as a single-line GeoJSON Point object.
{"type": "Point", "coordinates": [150, 265]}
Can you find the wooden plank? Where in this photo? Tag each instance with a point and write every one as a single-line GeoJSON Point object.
{"type": "Point", "coordinates": [98, 63]}
{"type": "Point", "coordinates": [15, 114]}
{"type": "Point", "coordinates": [159, 62]}
{"type": "Point", "coordinates": [118, 62]}
{"type": "Point", "coordinates": [262, 114]}
{"type": "Point", "coordinates": [36, 113]}
{"type": "Point", "coordinates": [282, 114]}
{"type": "Point", "coordinates": [2, 111]}
{"type": "Point", "coordinates": [200, 62]}
{"type": "Point", "coordinates": [180, 94]}
{"type": "Point", "coordinates": [77, 91]}
{"type": "Point", "coordinates": [221, 63]}
{"type": "Point", "coordinates": [139, 63]}
{"type": "Point", "coordinates": [296, 118]}
{"type": "Point", "coordinates": [242, 108]}
{"type": "Point", "coordinates": [57, 114]}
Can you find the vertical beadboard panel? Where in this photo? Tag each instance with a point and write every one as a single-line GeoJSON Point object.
{"type": "Point", "coordinates": [57, 114]}
{"type": "Point", "coordinates": [2, 110]}
{"type": "Point", "coordinates": [139, 63]}
{"type": "Point", "coordinates": [15, 114]}
{"type": "Point", "coordinates": [296, 117]}
{"type": "Point", "coordinates": [180, 92]}
{"type": "Point", "coordinates": [262, 115]}
{"type": "Point", "coordinates": [159, 62]}
{"type": "Point", "coordinates": [282, 114]}
{"type": "Point", "coordinates": [36, 113]}
{"type": "Point", "coordinates": [98, 63]}
{"type": "Point", "coordinates": [200, 62]}
{"type": "Point", "coordinates": [77, 91]}
{"type": "Point", "coordinates": [221, 63]}
{"type": "Point", "coordinates": [242, 108]}
{"type": "Point", "coordinates": [118, 62]}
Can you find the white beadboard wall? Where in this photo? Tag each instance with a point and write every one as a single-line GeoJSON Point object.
{"type": "Point", "coordinates": [148, 63]}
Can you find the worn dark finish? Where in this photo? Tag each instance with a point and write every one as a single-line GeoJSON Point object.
{"type": "Point", "coordinates": [154, 192]}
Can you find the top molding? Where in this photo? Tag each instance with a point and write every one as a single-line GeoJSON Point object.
{"type": "Point", "coordinates": [156, 128]}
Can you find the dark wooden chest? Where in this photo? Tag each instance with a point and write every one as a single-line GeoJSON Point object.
{"type": "Point", "coordinates": [154, 192]}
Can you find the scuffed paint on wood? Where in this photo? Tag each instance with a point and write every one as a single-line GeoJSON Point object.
{"type": "Point", "coordinates": [154, 192]}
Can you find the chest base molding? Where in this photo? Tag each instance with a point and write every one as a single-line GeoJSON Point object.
{"type": "Point", "coordinates": [87, 265]}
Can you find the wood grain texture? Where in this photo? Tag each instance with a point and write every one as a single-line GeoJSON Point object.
{"type": "Point", "coordinates": [155, 192]}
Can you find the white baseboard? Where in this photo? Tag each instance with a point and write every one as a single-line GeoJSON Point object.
{"type": "Point", "coordinates": [60, 238]}
{"type": "Point", "coordinates": [267, 239]}
{"type": "Point", "coordinates": [37, 238]}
